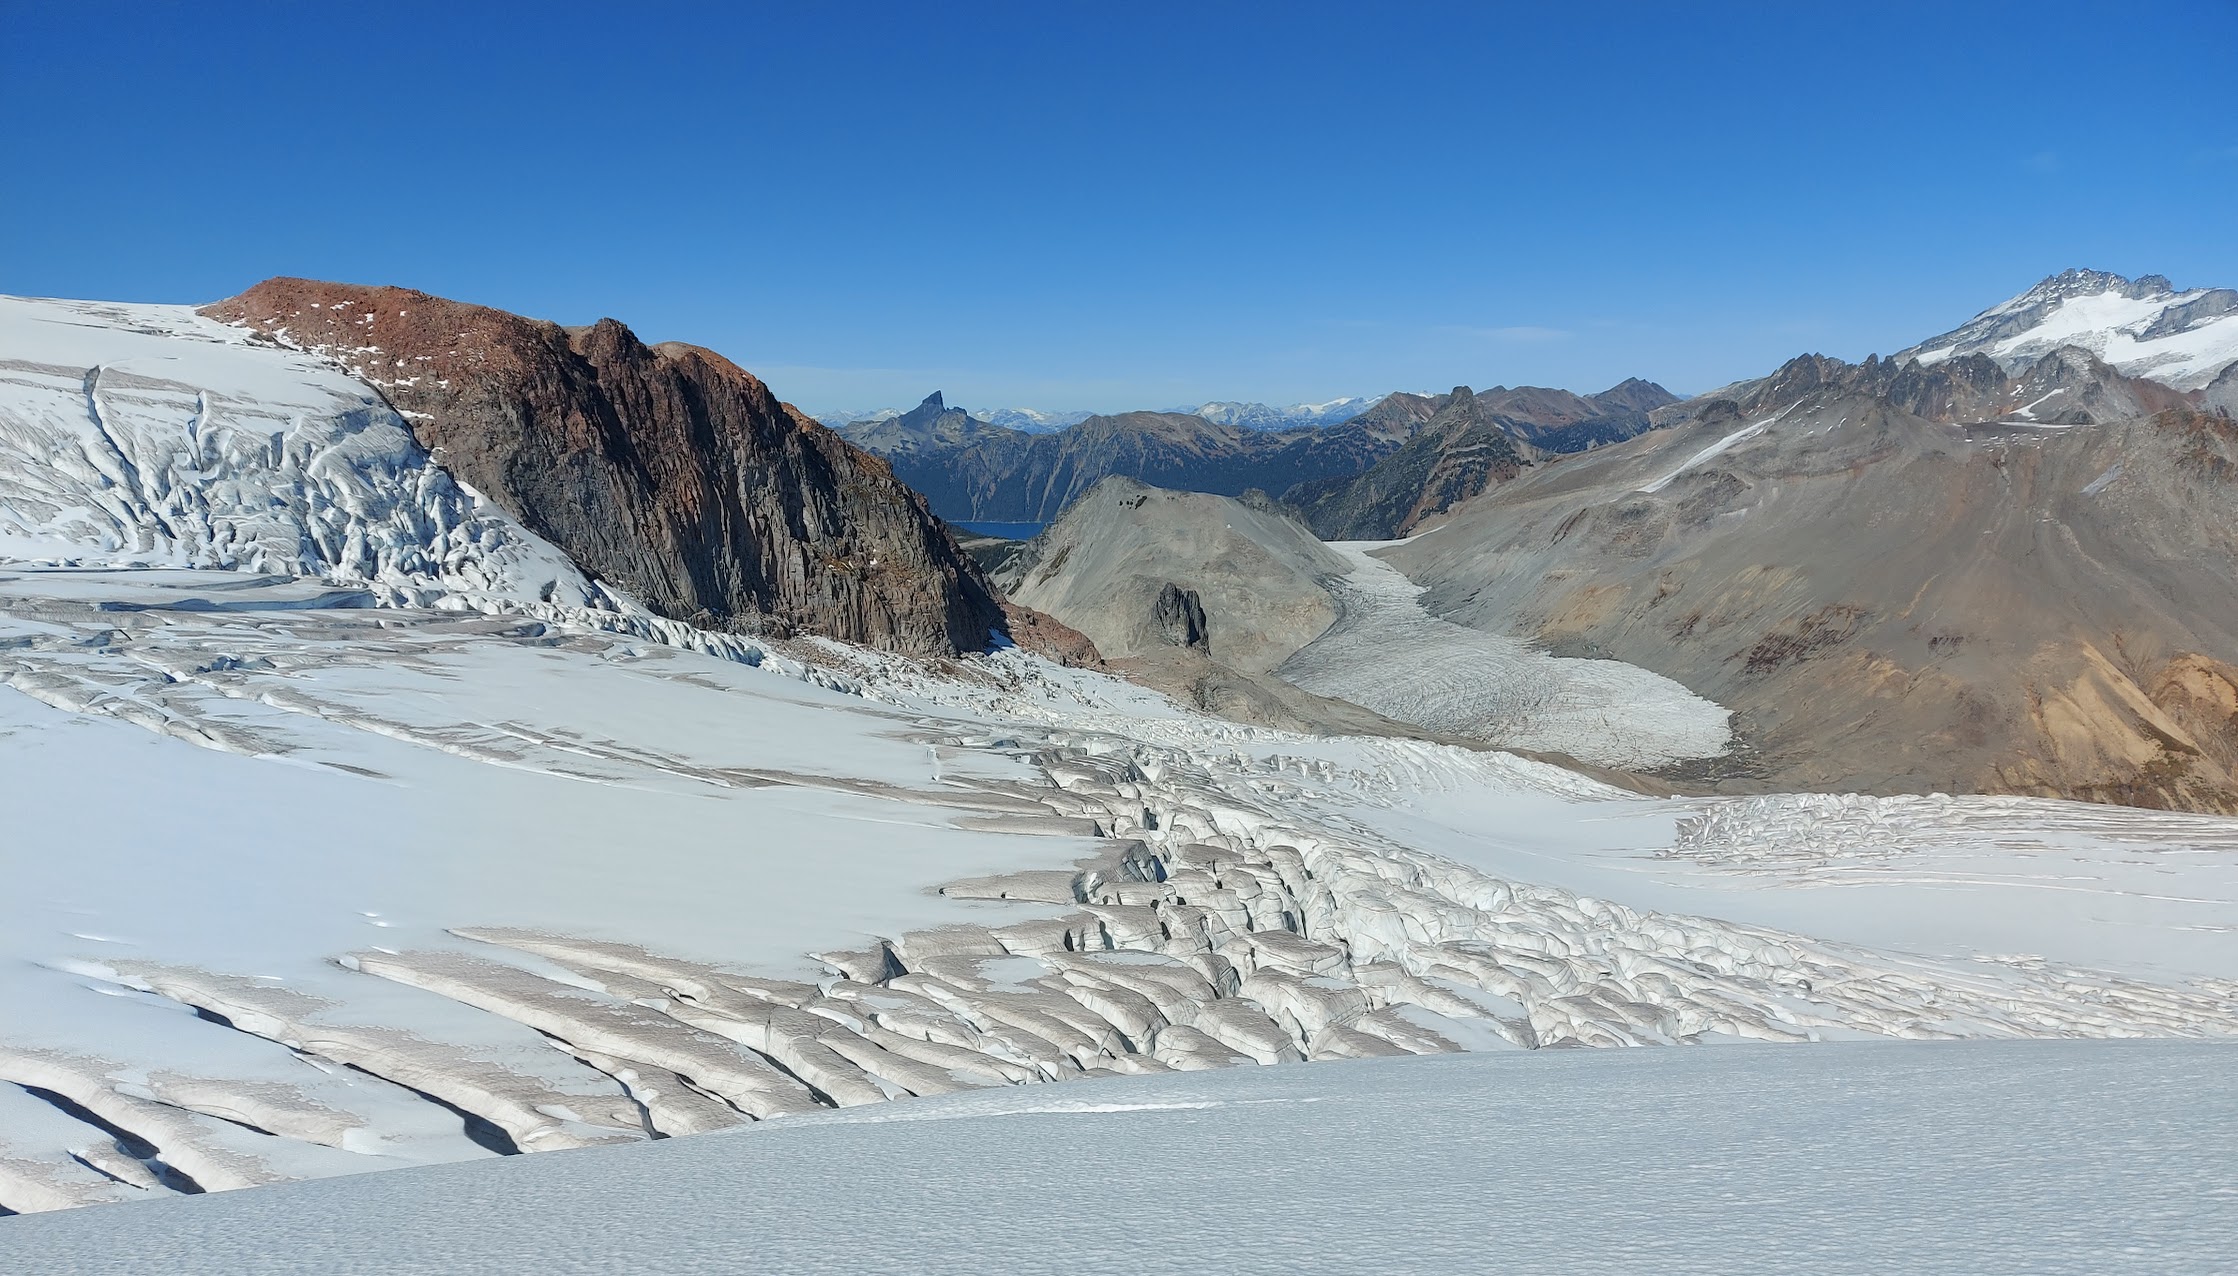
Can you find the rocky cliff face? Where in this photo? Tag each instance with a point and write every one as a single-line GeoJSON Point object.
{"type": "Point", "coordinates": [1180, 616]}
{"type": "Point", "coordinates": [2222, 396]}
{"type": "Point", "coordinates": [665, 470]}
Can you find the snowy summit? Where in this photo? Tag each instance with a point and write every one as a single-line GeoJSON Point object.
{"type": "Point", "coordinates": [2144, 327]}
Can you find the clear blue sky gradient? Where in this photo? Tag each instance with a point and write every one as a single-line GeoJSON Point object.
{"type": "Point", "coordinates": [1113, 206]}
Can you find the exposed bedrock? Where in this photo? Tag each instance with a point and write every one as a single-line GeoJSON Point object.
{"type": "Point", "coordinates": [1467, 446]}
{"type": "Point", "coordinates": [666, 470]}
{"type": "Point", "coordinates": [1252, 573]}
{"type": "Point", "coordinates": [1903, 579]}
{"type": "Point", "coordinates": [1180, 616]}
{"type": "Point", "coordinates": [1196, 595]}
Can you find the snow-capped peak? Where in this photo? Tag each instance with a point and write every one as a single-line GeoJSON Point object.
{"type": "Point", "coordinates": [2144, 327]}
{"type": "Point", "coordinates": [1033, 420]}
{"type": "Point", "coordinates": [1259, 416]}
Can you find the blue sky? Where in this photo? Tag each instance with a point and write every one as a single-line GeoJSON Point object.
{"type": "Point", "coordinates": [1114, 206]}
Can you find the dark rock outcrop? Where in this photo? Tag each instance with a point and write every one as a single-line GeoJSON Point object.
{"type": "Point", "coordinates": [1462, 450]}
{"type": "Point", "coordinates": [2222, 395]}
{"type": "Point", "coordinates": [665, 470]}
{"type": "Point", "coordinates": [1179, 615]}
{"type": "Point", "coordinates": [1047, 636]}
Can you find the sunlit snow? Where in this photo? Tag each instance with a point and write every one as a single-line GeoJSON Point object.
{"type": "Point", "coordinates": [301, 885]}
{"type": "Point", "coordinates": [2113, 327]}
{"type": "Point", "coordinates": [1971, 1159]}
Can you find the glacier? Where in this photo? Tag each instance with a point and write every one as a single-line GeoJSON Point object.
{"type": "Point", "coordinates": [152, 436]}
{"type": "Point", "coordinates": [301, 891]}
{"type": "Point", "coordinates": [332, 850]}
{"type": "Point", "coordinates": [1389, 654]}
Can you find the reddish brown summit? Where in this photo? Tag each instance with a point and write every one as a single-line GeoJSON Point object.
{"type": "Point", "coordinates": [665, 470]}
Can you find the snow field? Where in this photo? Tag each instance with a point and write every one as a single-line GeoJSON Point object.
{"type": "Point", "coordinates": [1975, 1159]}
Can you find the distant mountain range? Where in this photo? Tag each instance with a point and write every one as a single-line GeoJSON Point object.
{"type": "Point", "coordinates": [2000, 561]}
{"type": "Point", "coordinates": [971, 469]}
{"type": "Point", "coordinates": [1023, 420]}
{"type": "Point", "coordinates": [974, 469]}
{"type": "Point", "coordinates": [1258, 416]}
{"type": "Point", "coordinates": [1034, 421]}
{"type": "Point", "coordinates": [1467, 442]}
{"type": "Point", "coordinates": [1249, 416]}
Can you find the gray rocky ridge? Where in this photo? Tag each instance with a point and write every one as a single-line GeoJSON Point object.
{"type": "Point", "coordinates": [1903, 577]}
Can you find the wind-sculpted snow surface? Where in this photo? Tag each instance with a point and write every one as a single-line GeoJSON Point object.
{"type": "Point", "coordinates": [297, 890]}
{"type": "Point", "coordinates": [149, 435]}
{"type": "Point", "coordinates": [1977, 1159]}
{"type": "Point", "coordinates": [1388, 654]}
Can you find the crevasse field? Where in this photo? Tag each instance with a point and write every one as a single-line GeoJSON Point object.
{"type": "Point", "coordinates": [347, 829]}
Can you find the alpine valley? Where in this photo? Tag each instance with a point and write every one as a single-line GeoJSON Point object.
{"type": "Point", "coordinates": [434, 737]}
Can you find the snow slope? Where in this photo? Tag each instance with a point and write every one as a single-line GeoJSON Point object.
{"type": "Point", "coordinates": [1978, 1158]}
{"type": "Point", "coordinates": [149, 435]}
{"type": "Point", "coordinates": [2143, 327]}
